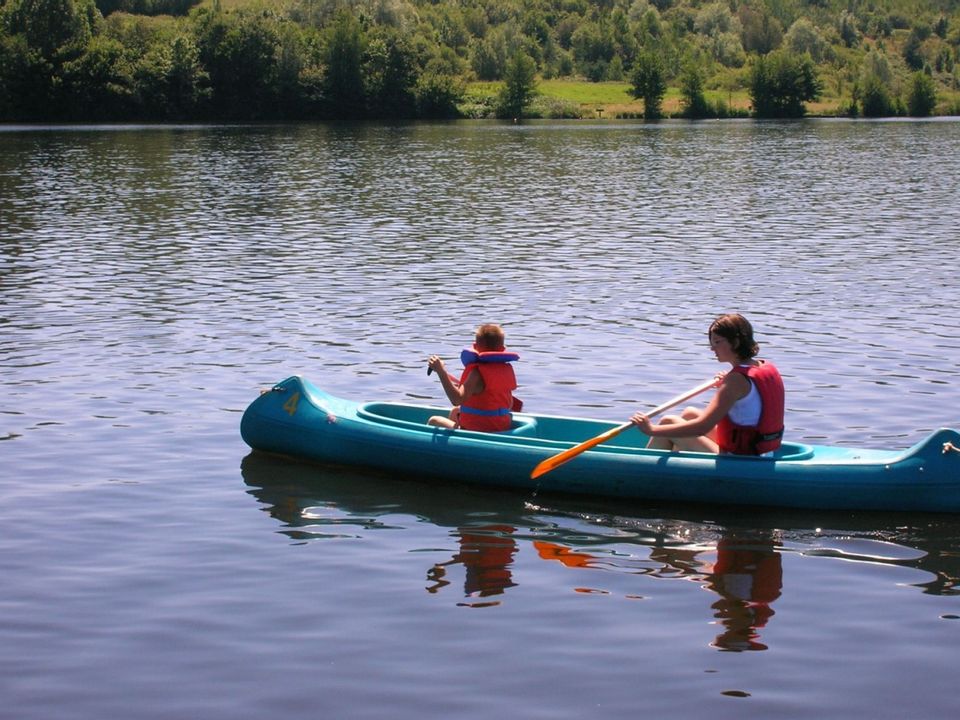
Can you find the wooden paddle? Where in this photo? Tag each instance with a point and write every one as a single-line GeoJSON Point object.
{"type": "Point", "coordinates": [551, 463]}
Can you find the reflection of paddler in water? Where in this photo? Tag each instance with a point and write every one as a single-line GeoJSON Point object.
{"type": "Point", "coordinates": [748, 577]}
{"type": "Point", "coordinates": [486, 553]}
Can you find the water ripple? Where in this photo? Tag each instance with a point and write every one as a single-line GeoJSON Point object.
{"type": "Point", "coordinates": [604, 253]}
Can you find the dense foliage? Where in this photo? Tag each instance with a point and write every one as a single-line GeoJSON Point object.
{"type": "Point", "coordinates": [304, 59]}
{"type": "Point", "coordinates": [780, 84]}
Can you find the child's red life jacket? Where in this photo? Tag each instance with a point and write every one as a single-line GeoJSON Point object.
{"type": "Point", "coordinates": [490, 411]}
{"type": "Point", "coordinates": [766, 435]}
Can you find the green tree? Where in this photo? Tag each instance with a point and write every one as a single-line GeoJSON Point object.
{"type": "Point", "coordinates": [150, 83]}
{"type": "Point", "coordinates": [293, 52]}
{"type": "Point", "coordinates": [923, 95]}
{"type": "Point", "coordinates": [761, 32]}
{"type": "Point", "coordinates": [438, 95]}
{"type": "Point", "coordinates": [804, 37]}
{"type": "Point", "coordinates": [875, 62]}
{"type": "Point", "coordinates": [648, 21]}
{"type": "Point", "coordinates": [488, 56]}
{"type": "Point", "coordinates": [188, 83]}
{"type": "Point", "coordinates": [53, 27]}
{"type": "Point", "coordinates": [649, 83]}
{"type": "Point", "coordinates": [27, 81]}
{"type": "Point", "coordinates": [911, 50]}
{"type": "Point", "coordinates": [593, 48]}
{"type": "Point", "coordinates": [848, 30]}
{"type": "Point", "coordinates": [520, 86]}
{"type": "Point", "coordinates": [240, 49]}
{"type": "Point", "coordinates": [874, 97]}
{"type": "Point", "coordinates": [715, 19]}
{"type": "Point", "coordinates": [98, 85]}
{"type": "Point", "coordinates": [343, 58]}
{"type": "Point", "coordinates": [780, 83]}
{"type": "Point", "coordinates": [694, 102]}
{"type": "Point", "coordinates": [37, 38]}
{"type": "Point", "coordinates": [941, 27]}
{"type": "Point", "coordinates": [391, 74]}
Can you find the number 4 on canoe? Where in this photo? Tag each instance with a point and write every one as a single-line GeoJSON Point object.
{"type": "Point", "coordinates": [552, 463]}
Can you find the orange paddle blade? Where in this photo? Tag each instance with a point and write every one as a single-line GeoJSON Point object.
{"type": "Point", "coordinates": [559, 459]}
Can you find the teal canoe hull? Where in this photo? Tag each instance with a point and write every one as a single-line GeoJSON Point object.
{"type": "Point", "coordinates": [296, 418]}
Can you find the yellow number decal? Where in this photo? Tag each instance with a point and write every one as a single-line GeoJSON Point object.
{"type": "Point", "coordinates": [291, 405]}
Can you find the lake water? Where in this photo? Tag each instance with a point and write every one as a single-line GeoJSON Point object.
{"type": "Point", "coordinates": [154, 279]}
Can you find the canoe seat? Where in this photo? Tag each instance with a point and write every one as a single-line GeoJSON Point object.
{"type": "Point", "coordinates": [793, 451]}
{"type": "Point", "coordinates": [416, 416]}
{"type": "Point", "coordinates": [523, 425]}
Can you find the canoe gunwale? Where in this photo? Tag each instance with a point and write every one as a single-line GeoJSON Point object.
{"type": "Point", "coordinates": [525, 432]}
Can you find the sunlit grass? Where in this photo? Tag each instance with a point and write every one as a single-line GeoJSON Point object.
{"type": "Point", "coordinates": [611, 99]}
{"type": "Point", "coordinates": [581, 91]}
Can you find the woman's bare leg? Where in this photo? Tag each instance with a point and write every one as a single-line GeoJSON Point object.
{"type": "Point", "coordinates": [703, 443]}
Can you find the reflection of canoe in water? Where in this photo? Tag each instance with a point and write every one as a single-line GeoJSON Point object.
{"type": "Point", "coordinates": [296, 418]}
{"type": "Point", "coordinates": [315, 502]}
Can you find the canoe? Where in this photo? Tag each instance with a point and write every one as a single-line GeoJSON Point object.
{"type": "Point", "coordinates": [298, 419]}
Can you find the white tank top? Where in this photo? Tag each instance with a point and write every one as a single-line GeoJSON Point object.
{"type": "Point", "coordinates": [746, 410]}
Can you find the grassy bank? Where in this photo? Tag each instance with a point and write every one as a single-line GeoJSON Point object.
{"type": "Point", "coordinates": [612, 100]}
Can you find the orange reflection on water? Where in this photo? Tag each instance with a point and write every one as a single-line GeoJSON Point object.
{"type": "Point", "coordinates": [563, 554]}
{"type": "Point", "coordinates": [748, 577]}
{"type": "Point", "coordinates": [486, 553]}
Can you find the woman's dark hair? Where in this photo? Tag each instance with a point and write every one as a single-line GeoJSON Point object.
{"type": "Point", "coordinates": [736, 329]}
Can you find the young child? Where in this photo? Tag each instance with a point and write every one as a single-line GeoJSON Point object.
{"type": "Point", "coordinates": [483, 396]}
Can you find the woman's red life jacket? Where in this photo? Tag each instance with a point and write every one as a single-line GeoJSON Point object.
{"type": "Point", "coordinates": [489, 411]}
{"type": "Point", "coordinates": [768, 432]}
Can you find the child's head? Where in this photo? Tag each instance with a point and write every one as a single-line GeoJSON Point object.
{"type": "Point", "coordinates": [489, 338]}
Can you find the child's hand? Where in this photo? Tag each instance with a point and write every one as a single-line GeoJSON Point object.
{"type": "Point", "coordinates": [435, 363]}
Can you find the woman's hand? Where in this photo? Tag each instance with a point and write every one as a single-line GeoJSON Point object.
{"type": "Point", "coordinates": [642, 422]}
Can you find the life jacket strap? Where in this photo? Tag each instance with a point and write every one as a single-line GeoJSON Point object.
{"type": "Point", "coordinates": [753, 437]}
{"type": "Point", "coordinates": [485, 413]}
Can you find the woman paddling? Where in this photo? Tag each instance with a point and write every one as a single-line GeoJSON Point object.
{"type": "Point", "coordinates": [745, 416]}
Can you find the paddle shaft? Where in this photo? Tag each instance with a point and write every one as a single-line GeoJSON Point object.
{"type": "Point", "coordinates": [559, 459]}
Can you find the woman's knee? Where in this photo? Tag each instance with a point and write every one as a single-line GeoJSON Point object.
{"type": "Point", "coordinates": [691, 413]}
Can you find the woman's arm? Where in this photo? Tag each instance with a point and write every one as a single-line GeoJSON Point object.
{"type": "Point", "coordinates": [733, 387]}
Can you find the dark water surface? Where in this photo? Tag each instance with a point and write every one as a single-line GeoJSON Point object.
{"type": "Point", "coordinates": [153, 279]}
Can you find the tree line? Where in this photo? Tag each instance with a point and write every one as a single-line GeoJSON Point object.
{"type": "Point", "coordinates": [169, 60]}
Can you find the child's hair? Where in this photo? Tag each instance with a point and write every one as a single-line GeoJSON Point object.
{"type": "Point", "coordinates": [490, 337]}
{"type": "Point", "coordinates": [737, 329]}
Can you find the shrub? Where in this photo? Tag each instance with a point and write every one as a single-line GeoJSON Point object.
{"type": "Point", "coordinates": [875, 98]}
{"type": "Point", "coordinates": [649, 83]}
{"type": "Point", "coordinates": [923, 95]}
{"type": "Point", "coordinates": [520, 86]}
{"type": "Point", "coordinates": [780, 84]}
{"type": "Point", "coordinates": [694, 102]}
